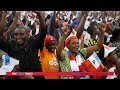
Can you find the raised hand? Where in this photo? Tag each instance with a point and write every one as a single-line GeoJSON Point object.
{"type": "Point", "coordinates": [26, 17]}
{"type": "Point", "coordinates": [18, 14]}
{"type": "Point", "coordinates": [37, 12]}
{"type": "Point", "coordinates": [102, 27]}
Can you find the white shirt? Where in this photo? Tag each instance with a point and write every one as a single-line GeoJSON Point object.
{"type": "Point", "coordinates": [86, 38]}
{"type": "Point", "coordinates": [87, 24]}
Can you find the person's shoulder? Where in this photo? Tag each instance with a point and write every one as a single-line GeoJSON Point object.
{"type": "Point", "coordinates": [11, 41]}
{"type": "Point", "coordinates": [31, 38]}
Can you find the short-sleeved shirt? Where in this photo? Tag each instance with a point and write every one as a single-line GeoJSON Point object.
{"type": "Point", "coordinates": [65, 64]}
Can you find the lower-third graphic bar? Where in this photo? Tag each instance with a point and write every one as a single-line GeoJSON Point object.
{"type": "Point", "coordinates": [59, 73]}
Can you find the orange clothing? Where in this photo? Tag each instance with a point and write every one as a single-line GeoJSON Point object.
{"type": "Point", "coordinates": [49, 63]}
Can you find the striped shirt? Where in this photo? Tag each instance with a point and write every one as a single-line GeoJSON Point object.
{"type": "Point", "coordinates": [91, 42]}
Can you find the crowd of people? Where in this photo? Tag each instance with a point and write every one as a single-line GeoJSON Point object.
{"type": "Point", "coordinates": [60, 41]}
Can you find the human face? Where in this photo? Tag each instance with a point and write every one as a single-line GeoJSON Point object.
{"type": "Point", "coordinates": [51, 46]}
{"type": "Point", "coordinates": [20, 36]}
{"type": "Point", "coordinates": [74, 46]}
{"type": "Point", "coordinates": [96, 30]}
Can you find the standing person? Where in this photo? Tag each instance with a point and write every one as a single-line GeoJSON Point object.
{"type": "Point", "coordinates": [48, 58]}
{"type": "Point", "coordinates": [70, 60]}
{"type": "Point", "coordinates": [115, 39]}
{"type": "Point", "coordinates": [25, 48]}
{"type": "Point", "coordinates": [47, 54]}
{"type": "Point", "coordinates": [109, 59]}
{"type": "Point", "coordinates": [93, 31]}
{"type": "Point", "coordinates": [55, 27]}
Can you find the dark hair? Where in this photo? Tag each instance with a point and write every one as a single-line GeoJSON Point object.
{"type": "Point", "coordinates": [90, 29]}
{"type": "Point", "coordinates": [48, 16]}
{"type": "Point", "coordinates": [101, 54]}
{"type": "Point", "coordinates": [93, 23]}
{"type": "Point", "coordinates": [72, 27]}
{"type": "Point", "coordinates": [105, 39]}
{"type": "Point", "coordinates": [115, 34]}
{"type": "Point", "coordinates": [66, 20]}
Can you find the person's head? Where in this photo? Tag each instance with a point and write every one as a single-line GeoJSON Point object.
{"type": "Point", "coordinates": [117, 70]}
{"type": "Point", "coordinates": [48, 16]}
{"type": "Point", "coordinates": [50, 43]}
{"type": "Point", "coordinates": [115, 34]}
{"type": "Point", "coordinates": [72, 44]}
{"type": "Point", "coordinates": [57, 23]}
{"type": "Point", "coordinates": [33, 26]}
{"type": "Point", "coordinates": [66, 20]}
{"type": "Point", "coordinates": [108, 27]}
{"type": "Point", "coordinates": [93, 30]}
{"type": "Point", "coordinates": [75, 21]}
{"type": "Point", "coordinates": [94, 23]}
{"type": "Point", "coordinates": [89, 19]}
{"type": "Point", "coordinates": [21, 35]}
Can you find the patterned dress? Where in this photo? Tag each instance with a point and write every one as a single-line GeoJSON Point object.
{"type": "Point", "coordinates": [65, 64]}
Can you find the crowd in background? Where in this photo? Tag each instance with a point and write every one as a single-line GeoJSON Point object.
{"type": "Point", "coordinates": [59, 41]}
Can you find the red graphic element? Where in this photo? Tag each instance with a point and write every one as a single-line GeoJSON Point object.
{"type": "Point", "coordinates": [59, 73]}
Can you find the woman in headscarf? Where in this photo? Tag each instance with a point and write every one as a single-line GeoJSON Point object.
{"type": "Point", "coordinates": [71, 60]}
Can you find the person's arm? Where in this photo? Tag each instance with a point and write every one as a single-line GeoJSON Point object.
{"type": "Point", "coordinates": [3, 22]}
{"type": "Point", "coordinates": [26, 24]}
{"type": "Point", "coordinates": [52, 25]}
{"type": "Point", "coordinates": [82, 41]}
{"type": "Point", "coordinates": [11, 28]}
{"type": "Point", "coordinates": [60, 46]}
{"type": "Point", "coordinates": [10, 18]}
{"type": "Point", "coordinates": [39, 39]}
{"type": "Point", "coordinates": [100, 42]}
{"type": "Point", "coordinates": [80, 17]}
{"type": "Point", "coordinates": [80, 27]}
{"type": "Point", "coordinates": [103, 17]}
{"type": "Point", "coordinates": [41, 20]}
